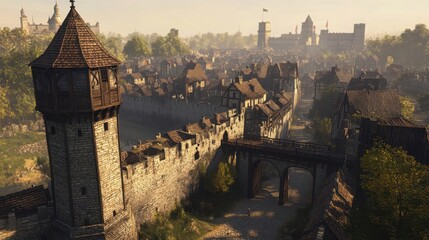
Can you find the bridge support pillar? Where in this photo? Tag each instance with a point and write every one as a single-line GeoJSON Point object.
{"type": "Point", "coordinates": [284, 188]}
{"type": "Point", "coordinates": [313, 188]}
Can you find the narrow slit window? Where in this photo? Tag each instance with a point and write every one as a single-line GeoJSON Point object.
{"type": "Point", "coordinates": [53, 131]}
{"type": "Point", "coordinates": [106, 126]}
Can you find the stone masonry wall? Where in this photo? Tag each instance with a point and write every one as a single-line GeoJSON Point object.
{"type": "Point", "coordinates": [30, 227]}
{"type": "Point", "coordinates": [56, 134]}
{"type": "Point", "coordinates": [107, 146]}
{"type": "Point", "coordinates": [157, 185]}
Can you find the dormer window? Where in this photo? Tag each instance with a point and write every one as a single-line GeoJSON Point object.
{"type": "Point", "coordinates": [252, 88]}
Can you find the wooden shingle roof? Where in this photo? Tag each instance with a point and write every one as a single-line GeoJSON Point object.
{"type": "Point", "coordinates": [75, 46]}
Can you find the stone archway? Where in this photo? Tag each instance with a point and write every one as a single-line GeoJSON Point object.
{"type": "Point", "coordinates": [263, 175]}
{"type": "Point", "coordinates": [297, 186]}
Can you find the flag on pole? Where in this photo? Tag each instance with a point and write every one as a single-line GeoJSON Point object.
{"type": "Point", "coordinates": [264, 10]}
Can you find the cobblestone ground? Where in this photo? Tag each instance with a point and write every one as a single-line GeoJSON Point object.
{"type": "Point", "coordinates": [266, 217]}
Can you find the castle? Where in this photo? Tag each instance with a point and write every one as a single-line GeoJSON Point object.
{"type": "Point", "coordinates": [53, 25]}
{"type": "Point", "coordinates": [97, 192]}
{"type": "Point", "coordinates": [309, 40]}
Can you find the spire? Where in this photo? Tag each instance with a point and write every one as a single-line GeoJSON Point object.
{"type": "Point", "coordinates": [72, 3]}
{"type": "Point", "coordinates": [56, 9]}
{"type": "Point", "coordinates": [23, 12]}
{"type": "Point", "coordinates": [309, 20]}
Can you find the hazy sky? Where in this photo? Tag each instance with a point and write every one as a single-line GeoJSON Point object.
{"type": "Point", "coordinates": [200, 16]}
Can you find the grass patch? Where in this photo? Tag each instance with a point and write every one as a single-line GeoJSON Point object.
{"type": "Point", "coordinates": [10, 159]}
{"type": "Point", "coordinates": [178, 225]}
{"type": "Point", "coordinates": [296, 227]}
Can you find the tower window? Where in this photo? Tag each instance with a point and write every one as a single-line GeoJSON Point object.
{"type": "Point", "coordinates": [106, 126]}
{"type": "Point", "coordinates": [79, 132]}
{"type": "Point", "coordinates": [83, 190]}
{"type": "Point", "coordinates": [53, 131]}
{"type": "Point", "coordinates": [114, 212]}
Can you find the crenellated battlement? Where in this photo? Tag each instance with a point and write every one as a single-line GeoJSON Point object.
{"type": "Point", "coordinates": [159, 173]}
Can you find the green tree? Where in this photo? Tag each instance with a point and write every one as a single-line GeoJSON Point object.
{"type": "Point", "coordinates": [223, 178]}
{"type": "Point", "coordinates": [325, 107]}
{"type": "Point", "coordinates": [113, 44]}
{"type": "Point", "coordinates": [322, 130]}
{"type": "Point", "coordinates": [407, 107]}
{"type": "Point", "coordinates": [168, 46]}
{"type": "Point", "coordinates": [16, 51]}
{"type": "Point", "coordinates": [411, 48]}
{"type": "Point", "coordinates": [137, 46]}
{"type": "Point", "coordinates": [397, 190]}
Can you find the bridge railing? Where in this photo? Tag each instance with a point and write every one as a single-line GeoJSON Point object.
{"type": "Point", "coordinates": [293, 144]}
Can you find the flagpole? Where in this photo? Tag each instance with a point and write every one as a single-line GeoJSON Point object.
{"type": "Point", "coordinates": [262, 15]}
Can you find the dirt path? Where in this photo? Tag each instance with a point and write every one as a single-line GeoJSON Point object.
{"type": "Point", "coordinates": [267, 217]}
{"type": "Point", "coordinates": [298, 131]}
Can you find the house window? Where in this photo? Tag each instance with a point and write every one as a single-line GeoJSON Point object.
{"type": "Point", "coordinates": [83, 190]}
{"type": "Point", "coordinates": [106, 126]}
{"type": "Point", "coordinates": [104, 75]}
{"type": "Point", "coordinates": [79, 132]}
{"type": "Point", "coordinates": [53, 131]}
{"type": "Point", "coordinates": [197, 155]}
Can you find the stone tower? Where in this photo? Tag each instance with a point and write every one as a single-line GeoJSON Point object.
{"type": "Point", "coordinates": [24, 21]}
{"type": "Point", "coordinates": [264, 33]}
{"type": "Point", "coordinates": [359, 36]}
{"type": "Point", "coordinates": [76, 88]}
{"type": "Point", "coordinates": [55, 21]}
{"type": "Point", "coordinates": [307, 31]}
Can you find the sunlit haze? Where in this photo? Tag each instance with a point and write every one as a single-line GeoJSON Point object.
{"type": "Point", "coordinates": [193, 17]}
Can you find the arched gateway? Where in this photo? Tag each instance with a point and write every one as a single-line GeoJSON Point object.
{"type": "Point", "coordinates": [247, 155]}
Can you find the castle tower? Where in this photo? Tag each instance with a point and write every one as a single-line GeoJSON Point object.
{"type": "Point", "coordinates": [76, 89]}
{"type": "Point", "coordinates": [264, 34]}
{"type": "Point", "coordinates": [307, 31]}
{"type": "Point", "coordinates": [55, 21]}
{"type": "Point", "coordinates": [359, 36]}
{"type": "Point", "coordinates": [24, 22]}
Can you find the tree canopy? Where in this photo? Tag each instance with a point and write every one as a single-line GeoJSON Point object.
{"type": "Point", "coordinates": [223, 178]}
{"type": "Point", "coordinates": [222, 41]}
{"type": "Point", "coordinates": [17, 50]}
{"type": "Point", "coordinates": [407, 107]}
{"type": "Point", "coordinates": [168, 46]}
{"type": "Point", "coordinates": [113, 43]}
{"type": "Point", "coordinates": [137, 46]}
{"type": "Point", "coordinates": [411, 48]}
{"type": "Point", "coordinates": [397, 189]}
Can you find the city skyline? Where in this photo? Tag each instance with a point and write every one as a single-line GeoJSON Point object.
{"type": "Point", "coordinates": [192, 17]}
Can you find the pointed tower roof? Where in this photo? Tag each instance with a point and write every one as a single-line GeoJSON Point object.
{"type": "Point", "coordinates": [23, 12]}
{"type": "Point", "coordinates": [75, 46]}
{"type": "Point", "coordinates": [308, 20]}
